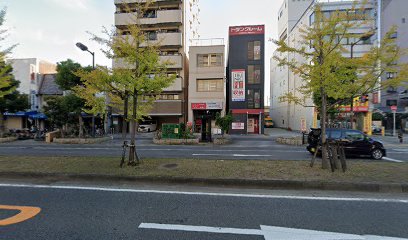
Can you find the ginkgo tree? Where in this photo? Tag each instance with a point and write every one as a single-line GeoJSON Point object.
{"type": "Point", "coordinates": [7, 85]}
{"type": "Point", "coordinates": [137, 78]}
{"type": "Point", "coordinates": [327, 73]}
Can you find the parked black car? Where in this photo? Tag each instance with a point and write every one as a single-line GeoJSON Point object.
{"type": "Point", "coordinates": [356, 143]}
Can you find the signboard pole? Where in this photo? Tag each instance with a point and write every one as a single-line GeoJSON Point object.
{"type": "Point", "coordinates": [394, 127]}
{"type": "Point", "coordinates": [394, 111]}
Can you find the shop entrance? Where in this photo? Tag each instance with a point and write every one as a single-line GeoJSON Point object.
{"type": "Point", "coordinates": [253, 124]}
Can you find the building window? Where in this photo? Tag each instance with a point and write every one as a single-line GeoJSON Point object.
{"type": "Point", "coordinates": [210, 85]}
{"type": "Point", "coordinates": [149, 14]}
{"type": "Point", "coordinates": [254, 74]}
{"type": "Point", "coordinates": [254, 99]}
{"type": "Point", "coordinates": [254, 50]}
{"type": "Point", "coordinates": [391, 75]}
{"type": "Point", "coordinates": [311, 18]}
{"type": "Point", "coordinates": [392, 102]}
{"type": "Point", "coordinates": [151, 36]}
{"type": "Point", "coordinates": [168, 97]}
{"type": "Point", "coordinates": [209, 60]}
{"type": "Point", "coordinates": [391, 90]}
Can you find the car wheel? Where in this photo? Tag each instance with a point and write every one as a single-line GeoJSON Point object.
{"type": "Point", "coordinates": [377, 154]}
{"type": "Point", "coordinates": [148, 130]}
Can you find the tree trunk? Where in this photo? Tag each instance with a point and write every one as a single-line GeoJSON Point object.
{"type": "Point", "coordinates": [2, 127]}
{"type": "Point", "coordinates": [133, 157]}
{"type": "Point", "coordinates": [81, 126]}
{"type": "Point", "coordinates": [323, 120]}
{"type": "Point", "coordinates": [125, 115]}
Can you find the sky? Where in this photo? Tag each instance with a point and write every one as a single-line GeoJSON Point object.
{"type": "Point", "coordinates": [49, 29]}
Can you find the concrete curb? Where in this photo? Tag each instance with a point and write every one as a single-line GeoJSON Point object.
{"type": "Point", "coordinates": [264, 184]}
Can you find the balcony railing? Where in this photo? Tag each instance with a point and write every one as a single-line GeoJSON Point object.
{"type": "Point", "coordinates": [162, 16]}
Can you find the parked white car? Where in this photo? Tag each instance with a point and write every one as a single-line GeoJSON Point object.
{"type": "Point", "coordinates": [147, 126]}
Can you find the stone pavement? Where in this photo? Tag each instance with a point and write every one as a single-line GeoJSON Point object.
{"type": "Point", "coordinates": [390, 141]}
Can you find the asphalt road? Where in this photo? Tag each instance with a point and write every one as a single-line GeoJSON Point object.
{"type": "Point", "coordinates": [262, 148]}
{"type": "Point", "coordinates": [71, 212]}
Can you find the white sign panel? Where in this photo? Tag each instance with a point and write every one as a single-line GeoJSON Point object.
{"type": "Point", "coordinates": [238, 85]}
{"type": "Point", "coordinates": [238, 126]}
{"type": "Point", "coordinates": [214, 105]}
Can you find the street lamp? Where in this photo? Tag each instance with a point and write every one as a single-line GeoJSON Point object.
{"type": "Point", "coordinates": [85, 48]}
{"type": "Point", "coordinates": [364, 37]}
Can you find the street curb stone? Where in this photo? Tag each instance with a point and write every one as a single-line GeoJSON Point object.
{"type": "Point", "coordinates": [267, 184]}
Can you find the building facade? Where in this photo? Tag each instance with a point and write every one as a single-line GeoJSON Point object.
{"type": "Point", "coordinates": [245, 78]}
{"type": "Point", "coordinates": [206, 88]}
{"type": "Point", "coordinates": [28, 72]}
{"type": "Point", "coordinates": [283, 81]}
{"type": "Point", "coordinates": [393, 13]}
{"type": "Point", "coordinates": [163, 24]}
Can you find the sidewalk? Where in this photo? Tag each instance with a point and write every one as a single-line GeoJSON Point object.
{"type": "Point", "coordinates": [392, 141]}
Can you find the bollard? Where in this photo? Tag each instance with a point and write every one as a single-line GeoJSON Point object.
{"type": "Point", "coordinates": [383, 131]}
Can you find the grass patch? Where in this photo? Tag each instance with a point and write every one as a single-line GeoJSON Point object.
{"type": "Point", "coordinates": [361, 171]}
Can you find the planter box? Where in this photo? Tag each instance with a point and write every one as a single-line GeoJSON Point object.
{"type": "Point", "coordinates": [8, 139]}
{"type": "Point", "coordinates": [169, 141]}
{"type": "Point", "coordinates": [296, 141]}
{"type": "Point", "coordinates": [80, 140]}
{"type": "Point", "coordinates": [222, 140]}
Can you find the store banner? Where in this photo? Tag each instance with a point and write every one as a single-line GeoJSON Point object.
{"type": "Point", "coordinates": [214, 105]}
{"type": "Point", "coordinates": [198, 106]}
{"type": "Point", "coordinates": [238, 85]}
{"type": "Point", "coordinates": [238, 126]}
{"type": "Point", "coordinates": [207, 106]}
{"type": "Point", "coordinates": [247, 30]}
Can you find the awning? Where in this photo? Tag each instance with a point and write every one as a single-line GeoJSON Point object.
{"type": "Point", "coordinates": [38, 116]}
{"type": "Point", "coordinates": [16, 114]}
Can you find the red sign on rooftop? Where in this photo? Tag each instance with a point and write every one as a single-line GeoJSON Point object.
{"type": "Point", "coordinates": [247, 30]}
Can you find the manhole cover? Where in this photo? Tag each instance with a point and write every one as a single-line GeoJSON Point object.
{"type": "Point", "coordinates": [170, 166]}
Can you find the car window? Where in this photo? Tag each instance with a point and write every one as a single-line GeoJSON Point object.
{"type": "Point", "coordinates": [354, 135]}
{"type": "Point", "coordinates": [335, 134]}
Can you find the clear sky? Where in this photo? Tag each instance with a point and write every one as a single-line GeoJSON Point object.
{"type": "Point", "coordinates": [49, 29]}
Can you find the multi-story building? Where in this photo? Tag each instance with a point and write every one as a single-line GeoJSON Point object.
{"type": "Point", "coordinates": [393, 13]}
{"type": "Point", "coordinates": [245, 78]}
{"type": "Point", "coordinates": [283, 81]}
{"type": "Point", "coordinates": [28, 72]}
{"type": "Point", "coordinates": [163, 23]}
{"type": "Point", "coordinates": [206, 88]}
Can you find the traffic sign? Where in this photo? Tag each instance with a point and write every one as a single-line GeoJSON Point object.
{"type": "Point", "coordinates": [394, 108]}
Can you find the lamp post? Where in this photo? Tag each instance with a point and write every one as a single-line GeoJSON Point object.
{"type": "Point", "coordinates": [364, 37]}
{"type": "Point", "coordinates": [85, 48]}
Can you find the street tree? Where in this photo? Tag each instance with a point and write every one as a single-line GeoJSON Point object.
{"type": "Point", "coordinates": [224, 122]}
{"type": "Point", "coordinates": [67, 80]}
{"type": "Point", "coordinates": [8, 85]}
{"type": "Point", "coordinates": [138, 78]}
{"type": "Point", "coordinates": [62, 110]}
{"type": "Point", "coordinates": [322, 62]}
{"type": "Point", "coordinates": [66, 77]}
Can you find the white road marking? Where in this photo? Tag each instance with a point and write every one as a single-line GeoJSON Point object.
{"type": "Point", "coordinates": [187, 228]}
{"type": "Point", "coordinates": [268, 232]}
{"type": "Point", "coordinates": [392, 160]}
{"type": "Point", "coordinates": [107, 189]}
{"type": "Point", "coordinates": [230, 155]}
